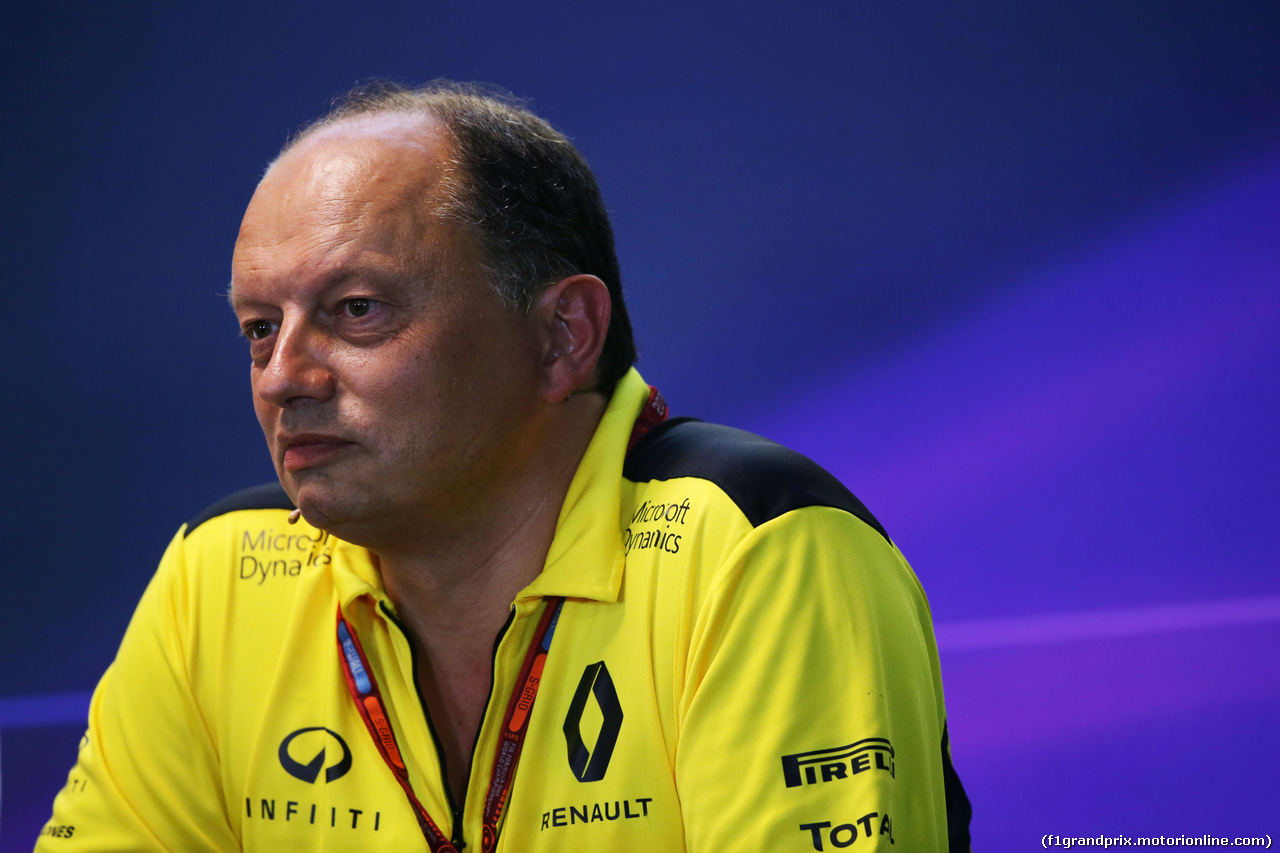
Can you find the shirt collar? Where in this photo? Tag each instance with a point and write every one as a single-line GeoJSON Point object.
{"type": "Point", "coordinates": [355, 573]}
{"type": "Point", "coordinates": [586, 557]}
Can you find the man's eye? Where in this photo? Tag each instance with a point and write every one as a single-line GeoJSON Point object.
{"type": "Point", "coordinates": [357, 307]}
{"type": "Point", "coordinates": [258, 329]}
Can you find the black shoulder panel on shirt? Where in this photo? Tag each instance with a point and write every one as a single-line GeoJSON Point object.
{"type": "Point", "coordinates": [959, 810]}
{"type": "Point", "coordinates": [266, 496]}
{"type": "Point", "coordinates": [762, 477]}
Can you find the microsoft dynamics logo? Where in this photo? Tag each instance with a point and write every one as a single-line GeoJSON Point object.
{"type": "Point", "coordinates": [589, 765]}
{"type": "Point", "coordinates": [312, 762]}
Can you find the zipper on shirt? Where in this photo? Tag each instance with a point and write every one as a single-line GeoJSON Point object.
{"type": "Point", "coordinates": [457, 839]}
{"type": "Point", "coordinates": [493, 677]}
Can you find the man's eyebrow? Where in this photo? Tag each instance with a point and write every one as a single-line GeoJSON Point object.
{"type": "Point", "coordinates": [334, 279]}
{"type": "Point", "coordinates": [237, 301]}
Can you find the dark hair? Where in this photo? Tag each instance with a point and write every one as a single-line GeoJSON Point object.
{"type": "Point", "coordinates": [526, 196]}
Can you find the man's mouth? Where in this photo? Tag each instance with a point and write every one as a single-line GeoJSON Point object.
{"type": "Point", "coordinates": [307, 450]}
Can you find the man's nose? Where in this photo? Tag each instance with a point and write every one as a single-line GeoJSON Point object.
{"type": "Point", "coordinates": [298, 372]}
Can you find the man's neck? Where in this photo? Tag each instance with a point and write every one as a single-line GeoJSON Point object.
{"type": "Point", "coordinates": [455, 578]}
{"type": "Point", "coordinates": [459, 596]}
{"type": "Point", "coordinates": [454, 593]}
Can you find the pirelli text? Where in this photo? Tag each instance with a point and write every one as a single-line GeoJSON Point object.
{"type": "Point", "coordinates": [1048, 841]}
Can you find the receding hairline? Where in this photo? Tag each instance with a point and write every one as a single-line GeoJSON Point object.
{"type": "Point", "coordinates": [446, 200]}
{"type": "Point", "coordinates": [433, 193]}
{"type": "Point", "coordinates": [426, 195]}
{"type": "Point", "coordinates": [407, 129]}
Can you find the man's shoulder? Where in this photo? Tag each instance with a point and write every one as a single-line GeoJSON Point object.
{"type": "Point", "coordinates": [242, 552]}
{"type": "Point", "coordinates": [267, 496]}
{"type": "Point", "coordinates": [763, 478]}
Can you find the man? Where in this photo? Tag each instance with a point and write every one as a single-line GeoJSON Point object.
{"type": "Point", "coordinates": [521, 610]}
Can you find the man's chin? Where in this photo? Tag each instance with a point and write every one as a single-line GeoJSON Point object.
{"type": "Point", "coordinates": [316, 507]}
{"type": "Point", "coordinates": [316, 519]}
{"type": "Point", "coordinates": [331, 514]}
{"type": "Point", "coordinates": [338, 508]}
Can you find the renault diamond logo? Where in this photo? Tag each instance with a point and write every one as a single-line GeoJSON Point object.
{"type": "Point", "coordinates": [310, 771]}
{"type": "Point", "coordinates": [589, 765]}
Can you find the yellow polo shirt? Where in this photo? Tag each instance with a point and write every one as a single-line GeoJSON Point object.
{"type": "Point", "coordinates": [744, 661]}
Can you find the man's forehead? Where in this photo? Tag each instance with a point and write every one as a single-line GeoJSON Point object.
{"type": "Point", "coordinates": [362, 191]}
{"type": "Point", "coordinates": [381, 151]}
{"type": "Point", "coordinates": [378, 175]}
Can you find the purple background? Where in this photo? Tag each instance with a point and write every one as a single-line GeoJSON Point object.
{"type": "Point", "coordinates": [1010, 272]}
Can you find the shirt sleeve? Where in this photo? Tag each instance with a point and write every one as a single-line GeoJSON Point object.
{"type": "Point", "coordinates": [811, 716]}
{"type": "Point", "coordinates": [146, 777]}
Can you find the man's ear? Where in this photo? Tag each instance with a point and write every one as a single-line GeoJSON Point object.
{"type": "Point", "coordinates": [572, 317]}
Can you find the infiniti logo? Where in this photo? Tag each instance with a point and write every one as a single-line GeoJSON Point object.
{"type": "Point", "coordinates": [310, 771]}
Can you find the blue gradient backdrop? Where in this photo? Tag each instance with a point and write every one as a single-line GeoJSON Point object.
{"type": "Point", "coordinates": [1011, 272]}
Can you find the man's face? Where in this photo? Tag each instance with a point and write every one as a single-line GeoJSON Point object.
{"type": "Point", "coordinates": [395, 390]}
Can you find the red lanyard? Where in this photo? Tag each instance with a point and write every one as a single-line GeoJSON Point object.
{"type": "Point", "coordinates": [368, 698]}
